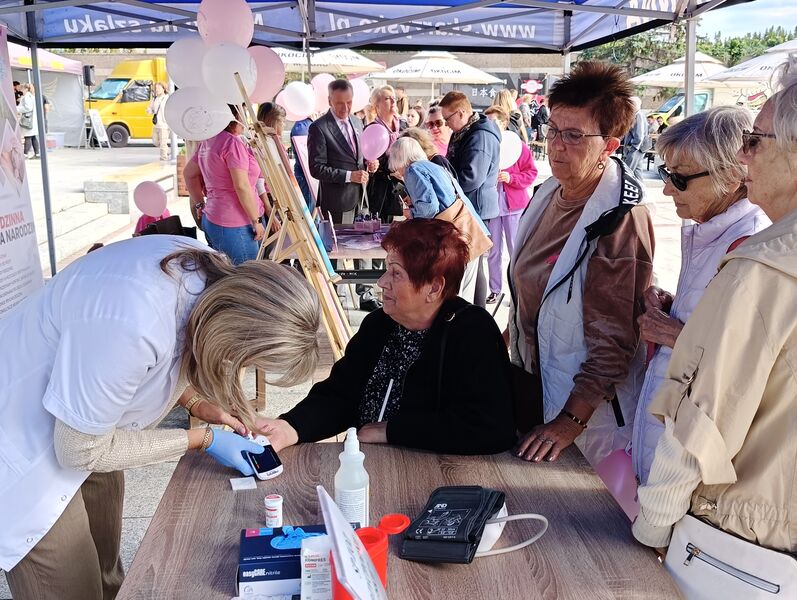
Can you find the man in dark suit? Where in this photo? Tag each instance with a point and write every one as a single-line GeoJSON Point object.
{"type": "Point", "coordinates": [335, 156]}
{"type": "Point", "coordinates": [336, 160]}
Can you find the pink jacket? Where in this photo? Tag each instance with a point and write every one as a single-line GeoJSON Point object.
{"type": "Point", "coordinates": [521, 175]}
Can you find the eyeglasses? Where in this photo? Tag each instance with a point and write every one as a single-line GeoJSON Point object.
{"type": "Point", "coordinates": [438, 123]}
{"type": "Point", "coordinates": [451, 116]}
{"type": "Point", "coordinates": [571, 137]}
{"type": "Point", "coordinates": [678, 181]}
{"type": "Point", "coordinates": [751, 139]}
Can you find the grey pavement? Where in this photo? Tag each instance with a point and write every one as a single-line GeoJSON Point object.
{"type": "Point", "coordinates": [145, 486]}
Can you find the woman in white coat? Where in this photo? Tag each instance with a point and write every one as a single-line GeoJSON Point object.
{"type": "Point", "coordinates": [705, 179]}
{"type": "Point", "coordinates": [93, 361]}
{"type": "Point", "coordinates": [28, 122]}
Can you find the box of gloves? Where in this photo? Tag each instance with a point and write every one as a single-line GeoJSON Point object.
{"type": "Point", "coordinates": [269, 562]}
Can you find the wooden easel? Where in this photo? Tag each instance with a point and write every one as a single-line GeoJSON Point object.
{"type": "Point", "coordinates": [298, 236]}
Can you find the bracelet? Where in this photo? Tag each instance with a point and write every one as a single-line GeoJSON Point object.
{"type": "Point", "coordinates": [574, 418]}
{"type": "Point", "coordinates": [195, 399]}
{"type": "Point", "coordinates": [207, 439]}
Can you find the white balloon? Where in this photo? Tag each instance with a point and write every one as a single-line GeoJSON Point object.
{"type": "Point", "coordinates": [299, 99]}
{"type": "Point", "coordinates": [195, 114]}
{"type": "Point", "coordinates": [184, 61]}
{"type": "Point", "coordinates": [511, 147]}
{"type": "Point", "coordinates": [362, 94]}
{"type": "Point", "coordinates": [219, 66]}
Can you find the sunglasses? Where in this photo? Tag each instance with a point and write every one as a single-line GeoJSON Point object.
{"type": "Point", "coordinates": [438, 123]}
{"type": "Point", "coordinates": [678, 181]}
{"type": "Point", "coordinates": [751, 139]}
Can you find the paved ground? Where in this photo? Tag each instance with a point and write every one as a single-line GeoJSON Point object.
{"type": "Point", "coordinates": [145, 486]}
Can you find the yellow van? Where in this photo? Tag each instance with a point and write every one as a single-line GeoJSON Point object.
{"type": "Point", "coordinates": [123, 98]}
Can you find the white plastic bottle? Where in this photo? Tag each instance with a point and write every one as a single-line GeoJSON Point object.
{"type": "Point", "coordinates": [352, 484]}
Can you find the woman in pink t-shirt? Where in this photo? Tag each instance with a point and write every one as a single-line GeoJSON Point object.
{"type": "Point", "coordinates": [224, 170]}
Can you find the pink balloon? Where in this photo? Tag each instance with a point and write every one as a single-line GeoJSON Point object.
{"type": "Point", "coordinates": [320, 85]}
{"type": "Point", "coordinates": [270, 74]}
{"type": "Point", "coordinates": [362, 94]}
{"type": "Point", "coordinates": [280, 99]}
{"type": "Point", "coordinates": [617, 472]}
{"type": "Point", "coordinates": [228, 21]}
{"type": "Point", "coordinates": [150, 198]}
{"type": "Point", "coordinates": [375, 141]}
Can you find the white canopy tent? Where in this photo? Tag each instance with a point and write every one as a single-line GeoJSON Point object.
{"type": "Point", "coordinates": [434, 68]}
{"type": "Point", "coordinates": [62, 86]}
{"type": "Point", "coordinates": [673, 75]}
{"type": "Point", "coordinates": [756, 71]}
{"type": "Point", "coordinates": [329, 61]}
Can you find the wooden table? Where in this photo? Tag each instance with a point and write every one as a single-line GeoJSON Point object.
{"type": "Point", "coordinates": [191, 547]}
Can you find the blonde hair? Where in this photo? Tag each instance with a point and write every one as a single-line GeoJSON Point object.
{"type": "Point", "coordinates": [503, 99]}
{"type": "Point", "coordinates": [500, 113]}
{"type": "Point", "coordinates": [258, 313]}
{"type": "Point", "coordinates": [424, 138]}
{"type": "Point", "coordinates": [377, 94]}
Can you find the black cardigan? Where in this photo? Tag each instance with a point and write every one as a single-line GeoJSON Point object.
{"type": "Point", "coordinates": [473, 413]}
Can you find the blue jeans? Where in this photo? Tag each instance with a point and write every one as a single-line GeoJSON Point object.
{"type": "Point", "coordinates": [236, 242]}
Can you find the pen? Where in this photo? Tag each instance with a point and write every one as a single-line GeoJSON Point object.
{"type": "Point", "coordinates": [384, 403]}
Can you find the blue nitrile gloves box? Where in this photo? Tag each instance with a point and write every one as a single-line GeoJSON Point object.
{"type": "Point", "coordinates": [269, 561]}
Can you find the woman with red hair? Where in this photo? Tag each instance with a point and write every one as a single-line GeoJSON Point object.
{"type": "Point", "coordinates": [446, 360]}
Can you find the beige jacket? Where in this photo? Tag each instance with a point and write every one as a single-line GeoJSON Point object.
{"type": "Point", "coordinates": [731, 389]}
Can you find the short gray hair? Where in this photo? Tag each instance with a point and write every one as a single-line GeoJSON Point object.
{"type": "Point", "coordinates": [711, 139]}
{"type": "Point", "coordinates": [404, 152]}
{"type": "Point", "coordinates": [784, 119]}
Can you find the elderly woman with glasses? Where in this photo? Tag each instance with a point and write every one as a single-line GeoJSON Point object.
{"type": "Point", "coordinates": [582, 259]}
{"type": "Point", "coordinates": [441, 133]}
{"type": "Point", "coordinates": [728, 453]}
{"type": "Point", "coordinates": [428, 370]}
{"type": "Point", "coordinates": [705, 179]}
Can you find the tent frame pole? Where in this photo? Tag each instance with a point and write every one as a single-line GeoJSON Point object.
{"type": "Point", "coordinates": [39, 98]}
{"type": "Point", "coordinates": [689, 71]}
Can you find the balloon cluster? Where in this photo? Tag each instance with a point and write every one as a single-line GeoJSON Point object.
{"type": "Point", "coordinates": [204, 66]}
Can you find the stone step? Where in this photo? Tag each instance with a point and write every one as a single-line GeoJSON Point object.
{"type": "Point", "coordinates": [71, 218]}
{"type": "Point", "coordinates": [78, 240]}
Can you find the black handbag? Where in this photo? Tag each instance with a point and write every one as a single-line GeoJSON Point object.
{"type": "Point", "coordinates": [155, 119]}
{"type": "Point", "coordinates": [450, 526]}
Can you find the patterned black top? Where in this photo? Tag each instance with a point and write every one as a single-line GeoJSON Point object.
{"type": "Point", "coordinates": [402, 349]}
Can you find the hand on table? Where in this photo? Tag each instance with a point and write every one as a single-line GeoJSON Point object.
{"type": "Point", "coordinates": [359, 177]}
{"type": "Point", "coordinates": [656, 298]}
{"type": "Point", "coordinates": [279, 432]}
{"type": "Point", "coordinates": [210, 413]}
{"type": "Point", "coordinates": [227, 447]}
{"type": "Point", "coordinates": [658, 327]}
{"type": "Point", "coordinates": [373, 433]}
{"type": "Point", "coordinates": [547, 441]}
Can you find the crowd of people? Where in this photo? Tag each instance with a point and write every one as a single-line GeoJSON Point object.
{"type": "Point", "coordinates": [697, 383]}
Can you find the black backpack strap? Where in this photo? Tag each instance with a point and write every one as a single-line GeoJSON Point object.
{"type": "Point", "coordinates": [630, 196]}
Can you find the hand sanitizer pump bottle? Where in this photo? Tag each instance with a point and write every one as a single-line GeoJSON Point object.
{"type": "Point", "coordinates": [351, 482]}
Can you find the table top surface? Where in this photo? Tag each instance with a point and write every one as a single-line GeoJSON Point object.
{"type": "Point", "coordinates": [345, 233]}
{"type": "Point", "coordinates": [191, 547]}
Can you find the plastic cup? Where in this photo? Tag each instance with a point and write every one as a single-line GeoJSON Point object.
{"type": "Point", "coordinates": [375, 540]}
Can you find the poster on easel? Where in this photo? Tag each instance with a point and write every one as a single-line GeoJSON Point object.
{"type": "Point", "coordinates": [20, 267]}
